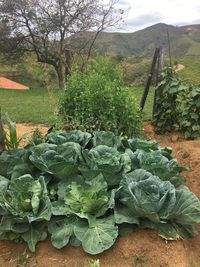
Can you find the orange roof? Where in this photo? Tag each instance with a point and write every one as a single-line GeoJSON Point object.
{"type": "Point", "coordinates": [8, 84]}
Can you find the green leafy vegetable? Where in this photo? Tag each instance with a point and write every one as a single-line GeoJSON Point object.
{"type": "Point", "coordinates": [86, 189]}
{"type": "Point", "coordinates": [96, 236]}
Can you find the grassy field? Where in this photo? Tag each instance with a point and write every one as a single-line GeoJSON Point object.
{"type": "Point", "coordinates": [192, 69]}
{"type": "Point", "coordinates": [39, 106]}
{"type": "Point", "coordinates": [32, 106]}
{"type": "Point", "coordinates": [137, 92]}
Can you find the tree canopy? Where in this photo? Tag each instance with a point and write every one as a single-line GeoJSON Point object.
{"type": "Point", "coordinates": [55, 29]}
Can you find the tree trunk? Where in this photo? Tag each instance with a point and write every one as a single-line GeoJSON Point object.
{"type": "Point", "coordinates": [60, 70]}
{"type": "Point", "coordinates": [68, 61]}
{"type": "Point", "coordinates": [63, 68]}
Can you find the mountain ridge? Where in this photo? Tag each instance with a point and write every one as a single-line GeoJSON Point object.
{"type": "Point", "coordinates": [184, 41]}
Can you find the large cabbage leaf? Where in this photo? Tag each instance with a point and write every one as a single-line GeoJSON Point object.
{"type": "Point", "coordinates": [16, 163]}
{"type": "Point", "coordinates": [106, 138]}
{"type": "Point", "coordinates": [61, 161]}
{"type": "Point", "coordinates": [107, 161]}
{"type": "Point", "coordinates": [76, 136]}
{"type": "Point", "coordinates": [157, 204]}
{"type": "Point", "coordinates": [27, 199]}
{"type": "Point", "coordinates": [87, 188]}
{"type": "Point", "coordinates": [137, 143]}
{"type": "Point", "coordinates": [186, 209]}
{"type": "Point", "coordinates": [97, 235]}
{"type": "Point", "coordinates": [33, 236]}
{"type": "Point", "coordinates": [61, 229]}
{"type": "Point", "coordinates": [147, 196]}
{"type": "Point", "coordinates": [147, 146]}
{"type": "Point", "coordinates": [87, 199]}
{"type": "Point", "coordinates": [159, 165]}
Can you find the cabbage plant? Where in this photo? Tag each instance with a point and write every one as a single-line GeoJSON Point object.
{"type": "Point", "coordinates": [87, 189]}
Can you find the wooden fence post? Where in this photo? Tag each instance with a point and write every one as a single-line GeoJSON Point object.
{"type": "Point", "coordinates": [149, 79]}
{"type": "Point", "coordinates": [2, 145]}
{"type": "Point", "coordinates": [160, 65]}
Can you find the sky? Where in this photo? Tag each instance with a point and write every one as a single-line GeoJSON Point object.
{"type": "Point", "coordinates": [143, 13]}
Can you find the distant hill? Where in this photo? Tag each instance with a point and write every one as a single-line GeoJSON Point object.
{"type": "Point", "coordinates": [185, 40]}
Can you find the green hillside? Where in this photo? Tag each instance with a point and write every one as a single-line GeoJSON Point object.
{"type": "Point", "coordinates": [184, 40]}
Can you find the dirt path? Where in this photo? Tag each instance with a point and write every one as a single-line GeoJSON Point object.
{"type": "Point", "coordinates": [140, 249]}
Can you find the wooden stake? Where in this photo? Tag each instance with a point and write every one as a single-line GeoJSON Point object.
{"type": "Point", "coordinates": [160, 65]}
{"type": "Point", "coordinates": [2, 145]}
{"type": "Point", "coordinates": [149, 79]}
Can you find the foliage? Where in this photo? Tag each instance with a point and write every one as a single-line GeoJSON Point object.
{"type": "Point", "coordinates": [97, 100]}
{"type": "Point", "coordinates": [178, 105]}
{"type": "Point", "coordinates": [36, 137]}
{"type": "Point", "coordinates": [52, 35]}
{"type": "Point", "coordinates": [94, 263]}
{"type": "Point", "coordinates": [86, 189]}
{"type": "Point", "coordinates": [135, 70]}
{"type": "Point", "coordinates": [9, 136]}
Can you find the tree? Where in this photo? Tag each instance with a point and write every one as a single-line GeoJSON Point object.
{"type": "Point", "coordinates": [55, 29]}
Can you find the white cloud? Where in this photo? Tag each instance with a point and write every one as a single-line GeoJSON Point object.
{"type": "Point", "coordinates": [144, 13]}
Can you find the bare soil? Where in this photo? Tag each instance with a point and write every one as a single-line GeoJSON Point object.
{"type": "Point", "coordinates": [143, 248]}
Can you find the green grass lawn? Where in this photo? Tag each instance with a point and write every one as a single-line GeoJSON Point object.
{"type": "Point", "coordinates": [39, 106]}
{"type": "Point", "coordinates": [32, 106]}
{"type": "Point", "coordinates": [138, 92]}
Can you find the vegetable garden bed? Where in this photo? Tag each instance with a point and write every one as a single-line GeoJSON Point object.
{"type": "Point", "coordinates": [141, 247]}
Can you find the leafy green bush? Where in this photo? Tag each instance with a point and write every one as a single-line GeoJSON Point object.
{"type": "Point", "coordinates": [178, 106]}
{"type": "Point", "coordinates": [135, 70]}
{"type": "Point", "coordinates": [97, 100]}
{"type": "Point", "coordinates": [86, 189]}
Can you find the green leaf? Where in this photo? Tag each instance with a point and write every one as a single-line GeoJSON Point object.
{"type": "Point", "coordinates": [60, 208]}
{"type": "Point", "coordinates": [91, 198]}
{"type": "Point", "coordinates": [62, 161]}
{"type": "Point", "coordinates": [123, 214]}
{"type": "Point", "coordinates": [97, 237]}
{"type": "Point", "coordinates": [27, 198]}
{"type": "Point", "coordinates": [32, 237]}
{"type": "Point", "coordinates": [147, 196]}
{"type": "Point", "coordinates": [61, 230]}
{"type": "Point", "coordinates": [186, 231]}
{"type": "Point", "coordinates": [187, 207]}
{"type": "Point", "coordinates": [75, 136]}
{"type": "Point", "coordinates": [126, 228]}
{"type": "Point", "coordinates": [106, 138]}
{"type": "Point", "coordinates": [165, 230]}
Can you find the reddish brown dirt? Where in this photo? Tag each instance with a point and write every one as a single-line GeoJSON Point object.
{"type": "Point", "coordinates": [143, 248]}
{"type": "Point", "coordinates": [8, 84]}
{"type": "Point", "coordinates": [26, 130]}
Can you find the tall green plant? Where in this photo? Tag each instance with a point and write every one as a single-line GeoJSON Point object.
{"type": "Point", "coordinates": [9, 136]}
{"type": "Point", "coordinates": [177, 105]}
{"type": "Point", "coordinates": [97, 100]}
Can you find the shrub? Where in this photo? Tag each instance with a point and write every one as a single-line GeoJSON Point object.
{"type": "Point", "coordinates": [97, 100]}
{"type": "Point", "coordinates": [178, 106]}
{"type": "Point", "coordinates": [135, 70]}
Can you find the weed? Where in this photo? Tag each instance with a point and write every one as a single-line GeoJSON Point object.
{"type": "Point", "coordinates": [140, 261]}
{"type": "Point", "coordinates": [94, 263]}
{"type": "Point", "coordinates": [22, 260]}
